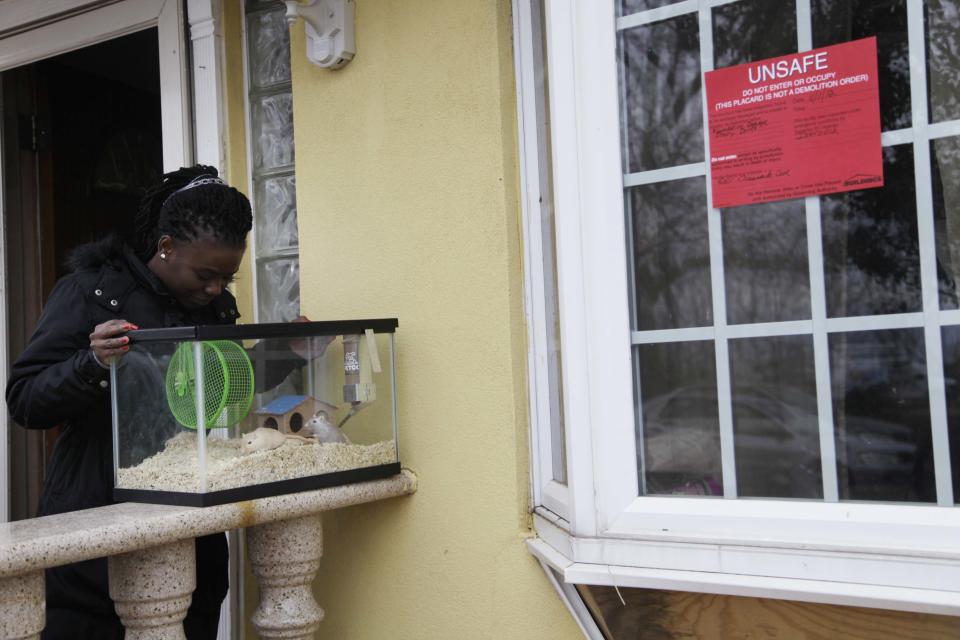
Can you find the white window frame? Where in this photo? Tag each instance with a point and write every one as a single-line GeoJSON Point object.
{"type": "Point", "coordinates": [546, 491]}
{"type": "Point", "coordinates": [879, 555]}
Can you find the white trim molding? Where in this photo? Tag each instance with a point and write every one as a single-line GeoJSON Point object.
{"type": "Point", "coordinates": [33, 30]}
{"type": "Point", "coordinates": [208, 81]}
{"type": "Point", "coordinates": [920, 600]}
{"type": "Point", "coordinates": [26, 15]}
{"type": "Point", "coordinates": [889, 581]}
{"type": "Point", "coordinates": [571, 599]}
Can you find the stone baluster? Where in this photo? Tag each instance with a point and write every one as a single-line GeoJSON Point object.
{"type": "Point", "coordinates": [22, 614]}
{"type": "Point", "coordinates": [285, 556]}
{"type": "Point", "coordinates": [151, 589]}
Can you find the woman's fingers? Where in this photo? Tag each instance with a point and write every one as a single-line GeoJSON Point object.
{"type": "Point", "coordinates": [111, 328]}
{"type": "Point", "coordinates": [110, 347]}
{"type": "Point", "coordinates": [107, 341]}
{"type": "Point", "coordinates": [111, 343]}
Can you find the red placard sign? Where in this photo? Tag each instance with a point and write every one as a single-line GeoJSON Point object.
{"type": "Point", "coordinates": [795, 126]}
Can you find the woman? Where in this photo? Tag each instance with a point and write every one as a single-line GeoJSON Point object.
{"type": "Point", "coordinates": [172, 270]}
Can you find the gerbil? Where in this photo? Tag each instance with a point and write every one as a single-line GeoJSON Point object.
{"type": "Point", "coordinates": [320, 428]}
{"type": "Point", "coordinates": [264, 439]}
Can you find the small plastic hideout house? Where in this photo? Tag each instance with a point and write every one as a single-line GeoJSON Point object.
{"type": "Point", "coordinates": [287, 414]}
{"type": "Point", "coordinates": [206, 415]}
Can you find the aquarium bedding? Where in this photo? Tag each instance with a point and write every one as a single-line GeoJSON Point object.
{"type": "Point", "coordinates": [175, 468]}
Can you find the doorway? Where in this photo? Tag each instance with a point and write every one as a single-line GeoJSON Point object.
{"type": "Point", "coordinates": [82, 141]}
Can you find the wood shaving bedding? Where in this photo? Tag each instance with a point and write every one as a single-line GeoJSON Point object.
{"type": "Point", "coordinates": [175, 468]}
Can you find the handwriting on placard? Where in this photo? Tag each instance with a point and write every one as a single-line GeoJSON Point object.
{"type": "Point", "coordinates": [752, 176]}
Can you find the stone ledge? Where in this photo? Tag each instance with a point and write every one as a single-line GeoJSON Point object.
{"type": "Point", "coordinates": [31, 545]}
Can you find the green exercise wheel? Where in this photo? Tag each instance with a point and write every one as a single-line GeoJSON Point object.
{"type": "Point", "coordinates": [226, 382]}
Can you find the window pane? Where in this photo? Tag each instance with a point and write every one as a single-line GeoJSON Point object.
{"type": "Point", "coordinates": [765, 262]}
{"type": "Point", "coordinates": [870, 244]}
{"type": "Point", "coordinates": [272, 148]}
{"type": "Point", "coordinates": [278, 286]}
{"type": "Point", "coordinates": [269, 43]}
{"type": "Point", "coordinates": [943, 58]}
{"type": "Point", "coordinates": [775, 425]}
{"type": "Point", "coordinates": [753, 30]}
{"type": "Point", "coordinates": [951, 379]}
{"type": "Point", "coordinates": [678, 442]}
{"type": "Point", "coordinates": [548, 248]}
{"type": "Point", "coordinates": [881, 412]}
{"type": "Point", "coordinates": [671, 254]}
{"type": "Point", "coordinates": [276, 201]}
{"type": "Point", "coordinates": [633, 6]}
{"type": "Point", "coordinates": [273, 131]}
{"type": "Point", "coordinates": [663, 114]}
{"type": "Point", "coordinates": [836, 21]}
{"type": "Point", "coordinates": [627, 613]}
{"type": "Point", "coordinates": [945, 175]}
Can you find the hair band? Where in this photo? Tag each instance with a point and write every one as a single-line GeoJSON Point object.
{"type": "Point", "coordinates": [199, 181]}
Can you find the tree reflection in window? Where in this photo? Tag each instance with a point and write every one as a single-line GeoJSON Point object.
{"type": "Point", "coordinates": [870, 246]}
{"type": "Point", "coordinates": [680, 430]}
{"type": "Point", "coordinates": [663, 115]}
{"type": "Point", "coordinates": [881, 412]}
{"type": "Point", "coordinates": [753, 30]}
{"type": "Point", "coordinates": [943, 58]}
{"type": "Point", "coordinates": [671, 255]}
{"type": "Point", "coordinates": [945, 186]}
{"type": "Point", "coordinates": [836, 21]}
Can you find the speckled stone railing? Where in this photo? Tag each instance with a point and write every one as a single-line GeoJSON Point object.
{"type": "Point", "coordinates": [152, 568]}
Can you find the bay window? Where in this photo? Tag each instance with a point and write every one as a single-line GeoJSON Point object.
{"type": "Point", "coordinates": [760, 400]}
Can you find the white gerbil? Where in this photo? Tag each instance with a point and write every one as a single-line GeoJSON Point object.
{"type": "Point", "coordinates": [320, 428]}
{"type": "Point", "coordinates": [264, 439]}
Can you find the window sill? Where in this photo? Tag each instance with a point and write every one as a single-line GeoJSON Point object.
{"type": "Point", "coordinates": [889, 580]}
{"type": "Point", "coordinates": [925, 531]}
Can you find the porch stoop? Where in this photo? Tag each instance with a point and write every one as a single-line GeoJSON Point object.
{"type": "Point", "coordinates": [151, 559]}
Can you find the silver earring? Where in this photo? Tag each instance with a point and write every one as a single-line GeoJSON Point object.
{"type": "Point", "coordinates": [163, 256]}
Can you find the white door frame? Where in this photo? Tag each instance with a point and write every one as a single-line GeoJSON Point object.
{"type": "Point", "coordinates": [36, 29]}
{"type": "Point", "coordinates": [104, 22]}
{"type": "Point", "coordinates": [33, 30]}
{"type": "Point", "coordinates": [60, 31]}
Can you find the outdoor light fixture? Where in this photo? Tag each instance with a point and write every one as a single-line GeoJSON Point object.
{"type": "Point", "coordinates": [329, 28]}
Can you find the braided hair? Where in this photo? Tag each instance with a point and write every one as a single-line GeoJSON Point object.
{"type": "Point", "coordinates": [216, 210]}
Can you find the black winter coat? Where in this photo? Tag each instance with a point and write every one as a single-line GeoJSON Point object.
{"type": "Point", "coordinates": [56, 381]}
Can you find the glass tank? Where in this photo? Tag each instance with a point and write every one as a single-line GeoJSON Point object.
{"type": "Point", "coordinates": [206, 415]}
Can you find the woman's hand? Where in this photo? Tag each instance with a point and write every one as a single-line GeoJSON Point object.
{"type": "Point", "coordinates": [301, 346]}
{"type": "Point", "coordinates": [108, 342]}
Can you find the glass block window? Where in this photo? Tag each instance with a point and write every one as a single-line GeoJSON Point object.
{"type": "Point", "coordinates": [272, 154]}
{"type": "Point", "coordinates": [803, 349]}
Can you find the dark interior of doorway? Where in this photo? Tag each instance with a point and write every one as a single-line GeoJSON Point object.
{"type": "Point", "coordinates": [81, 143]}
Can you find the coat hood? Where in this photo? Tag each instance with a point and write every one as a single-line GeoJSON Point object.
{"type": "Point", "coordinates": [95, 254]}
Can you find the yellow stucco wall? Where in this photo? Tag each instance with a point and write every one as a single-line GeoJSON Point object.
{"type": "Point", "coordinates": [407, 197]}
{"type": "Point", "coordinates": [235, 170]}
{"type": "Point", "coordinates": [407, 200]}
